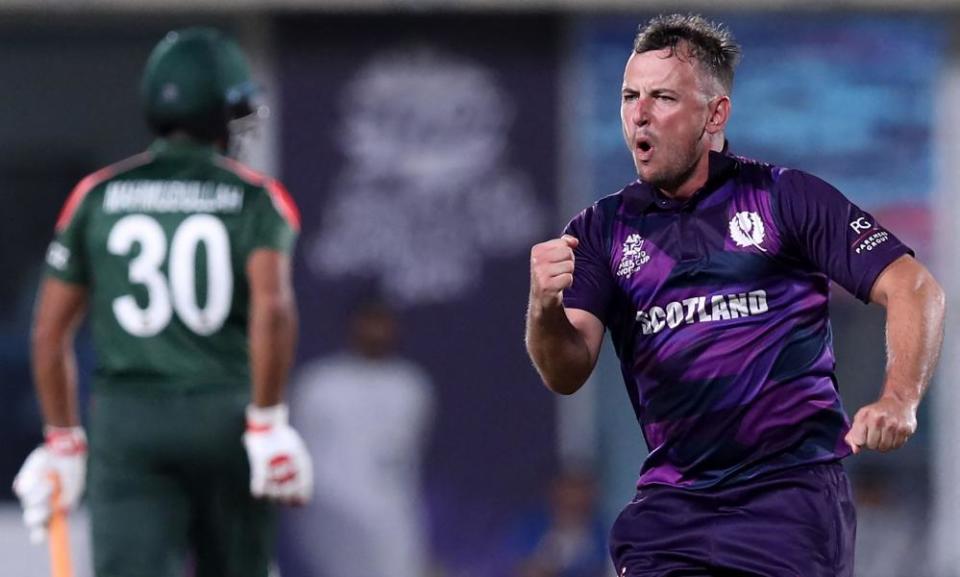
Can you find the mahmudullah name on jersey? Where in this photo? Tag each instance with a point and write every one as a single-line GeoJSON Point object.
{"type": "Point", "coordinates": [172, 196]}
{"type": "Point", "coordinates": [702, 309]}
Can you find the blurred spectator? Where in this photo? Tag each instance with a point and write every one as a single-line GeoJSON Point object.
{"type": "Point", "coordinates": [365, 414]}
{"type": "Point", "coordinates": [567, 538]}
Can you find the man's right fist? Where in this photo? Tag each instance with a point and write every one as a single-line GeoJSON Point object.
{"type": "Point", "coordinates": [551, 270]}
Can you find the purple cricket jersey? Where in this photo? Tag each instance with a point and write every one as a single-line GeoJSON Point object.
{"type": "Point", "coordinates": [717, 308]}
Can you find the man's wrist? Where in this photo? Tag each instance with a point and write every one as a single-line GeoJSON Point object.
{"type": "Point", "coordinates": [545, 311]}
{"type": "Point", "coordinates": [65, 441]}
{"type": "Point", "coordinates": [262, 419]}
{"type": "Point", "coordinates": [897, 395]}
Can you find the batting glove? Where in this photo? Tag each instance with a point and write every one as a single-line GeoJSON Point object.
{"type": "Point", "coordinates": [280, 467]}
{"type": "Point", "coordinates": [62, 459]}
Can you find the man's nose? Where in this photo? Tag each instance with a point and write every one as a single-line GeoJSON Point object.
{"type": "Point", "coordinates": [640, 115]}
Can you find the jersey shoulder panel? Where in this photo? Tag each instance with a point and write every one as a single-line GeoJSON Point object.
{"type": "Point", "coordinates": [92, 181]}
{"type": "Point", "coordinates": [282, 202]}
{"type": "Point", "coordinates": [758, 173]}
{"type": "Point", "coordinates": [601, 213]}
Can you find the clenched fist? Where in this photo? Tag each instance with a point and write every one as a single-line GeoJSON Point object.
{"type": "Point", "coordinates": [551, 271]}
{"type": "Point", "coordinates": [882, 426]}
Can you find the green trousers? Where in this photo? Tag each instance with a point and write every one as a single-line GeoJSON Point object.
{"type": "Point", "coordinates": [169, 487]}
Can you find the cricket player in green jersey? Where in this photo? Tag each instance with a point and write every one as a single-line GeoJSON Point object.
{"type": "Point", "coordinates": [181, 257]}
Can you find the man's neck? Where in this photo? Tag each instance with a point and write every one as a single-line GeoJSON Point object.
{"type": "Point", "coordinates": [699, 174]}
{"type": "Point", "coordinates": [693, 182]}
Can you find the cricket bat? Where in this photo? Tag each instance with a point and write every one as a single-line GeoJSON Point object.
{"type": "Point", "coordinates": [59, 537]}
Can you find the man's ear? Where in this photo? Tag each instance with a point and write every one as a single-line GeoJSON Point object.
{"type": "Point", "coordinates": [719, 114]}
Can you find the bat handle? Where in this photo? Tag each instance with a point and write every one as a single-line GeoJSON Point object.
{"type": "Point", "coordinates": [59, 533]}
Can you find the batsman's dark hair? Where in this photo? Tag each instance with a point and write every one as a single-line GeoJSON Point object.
{"type": "Point", "coordinates": [691, 35]}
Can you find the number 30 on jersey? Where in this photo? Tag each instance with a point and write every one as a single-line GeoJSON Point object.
{"type": "Point", "coordinates": [178, 293]}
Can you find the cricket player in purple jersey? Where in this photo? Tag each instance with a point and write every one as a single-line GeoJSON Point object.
{"type": "Point", "coordinates": [712, 274]}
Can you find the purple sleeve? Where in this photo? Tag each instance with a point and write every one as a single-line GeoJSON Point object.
{"type": "Point", "coordinates": [836, 236]}
{"type": "Point", "coordinates": [593, 284]}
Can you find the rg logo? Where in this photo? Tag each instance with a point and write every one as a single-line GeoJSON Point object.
{"type": "Point", "coordinates": [860, 225]}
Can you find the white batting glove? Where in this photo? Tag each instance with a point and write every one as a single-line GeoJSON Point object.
{"type": "Point", "coordinates": [61, 459]}
{"type": "Point", "coordinates": [280, 467]}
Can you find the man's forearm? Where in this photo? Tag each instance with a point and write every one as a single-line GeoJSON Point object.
{"type": "Point", "coordinates": [557, 349]}
{"type": "Point", "coordinates": [914, 338]}
{"type": "Point", "coordinates": [55, 378]}
{"type": "Point", "coordinates": [273, 339]}
{"type": "Point", "coordinates": [59, 310]}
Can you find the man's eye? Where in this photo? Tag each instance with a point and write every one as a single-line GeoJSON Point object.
{"type": "Point", "coordinates": [629, 97]}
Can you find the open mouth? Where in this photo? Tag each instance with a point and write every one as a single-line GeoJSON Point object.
{"type": "Point", "coordinates": [644, 149]}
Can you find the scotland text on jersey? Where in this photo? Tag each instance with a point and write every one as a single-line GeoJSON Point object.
{"type": "Point", "coordinates": [702, 309]}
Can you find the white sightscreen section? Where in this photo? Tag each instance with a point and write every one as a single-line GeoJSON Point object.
{"type": "Point", "coordinates": [576, 427]}
{"type": "Point", "coordinates": [944, 401]}
{"type": "Point", "coordinates": [262, 150]}
{"type": "Point", "coordinates": [21, 558]}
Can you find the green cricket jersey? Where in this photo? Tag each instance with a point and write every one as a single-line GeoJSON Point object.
{"type": "Point", "coordinates": [161, 241]}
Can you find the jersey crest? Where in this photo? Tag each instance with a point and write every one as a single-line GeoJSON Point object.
{"type": "Point", "coordinates": [746, 229]}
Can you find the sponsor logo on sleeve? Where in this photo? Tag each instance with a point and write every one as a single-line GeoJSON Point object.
{"type": "Point", "coordinates": [860, 225]}
{"type": "Point", "coordinates": [870, 237]}
{"type": "Point", "coordinates": [746, 229]}
{"type": "Point", "coordinates": [58, 256]}
{"type": "Point", "coordinates": [633, 256]}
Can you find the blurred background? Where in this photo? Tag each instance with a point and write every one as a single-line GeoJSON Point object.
{"type": "Point", "coordinates": [429, 144]}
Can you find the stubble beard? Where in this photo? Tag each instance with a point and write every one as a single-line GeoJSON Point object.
{"type": "Point", "coordinates": [677, 170]}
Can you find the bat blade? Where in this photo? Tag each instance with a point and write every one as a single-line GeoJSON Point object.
{"type": "Point", "coordinates": [59, 537]}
